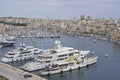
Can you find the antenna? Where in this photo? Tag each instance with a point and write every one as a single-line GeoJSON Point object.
{"type": "Point", "coordinates": [78, 44]}
{"type": "Point", "coordinates": [33, 43]}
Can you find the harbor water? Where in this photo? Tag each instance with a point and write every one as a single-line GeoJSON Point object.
{"type": "Point", "coordinates": [107, 68]}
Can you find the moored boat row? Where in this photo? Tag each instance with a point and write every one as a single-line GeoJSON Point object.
{"type": "Point", "coordinates": [60, 59]}
{"type": "Point", "coordinates": [51, 61]}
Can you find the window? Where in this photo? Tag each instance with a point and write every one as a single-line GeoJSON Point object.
{"type": "Point", "coordinates": [70, 54]}
{"type": "Point", "coordinates": [50, 57]}
{"type": "Point", "coordinates": [25, 52]}
{"type": "Point", "coordinates": [36, 50]}
{"type": "Point", "coordinates": [76, 52]}
{"type": "Point", "coordinates": [60, 59]}
{"type": "Point", "coordinates": [62, 55]}
{"type": "Point", "coordinates": [11, 53]}
{"type": "Point", "coordinates": [20, 56]}
{"type": "Point", "coordinates": [53, 51]}
{"type": "Point", "coordinates": [71, 64]}
{"type": "Point", "coordinates": [8, 57]}
{"type": "Point", "coordinates": [70, 49]}
{"type": "Point", "coordinates": [47, 61]}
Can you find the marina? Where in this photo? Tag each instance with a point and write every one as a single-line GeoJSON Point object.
{"type": "Point", "coordinates": [86, 43]}
{"type": "Point", "coordinates": [59, 40]}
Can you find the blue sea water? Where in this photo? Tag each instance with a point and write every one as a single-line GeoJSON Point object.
{"type": "Point", "coordinates": [107, 68]}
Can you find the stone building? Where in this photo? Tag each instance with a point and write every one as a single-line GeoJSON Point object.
{"type": "Point", "coordinates": [2, 28]}
{"type": "Point", "coordinates": [115, 34]}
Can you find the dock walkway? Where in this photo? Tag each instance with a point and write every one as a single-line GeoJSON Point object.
{"type": "Point", "coordinates": [13, 73]}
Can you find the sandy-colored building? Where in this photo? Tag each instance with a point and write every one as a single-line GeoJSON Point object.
{"type": "Point", "coordinates": [115, 34]}
{"type": "Point", "coordinates": [2, 28]}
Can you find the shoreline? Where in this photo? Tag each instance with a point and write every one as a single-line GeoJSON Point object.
{"type": "Point", "coordinates": [96, 37]}
{"type": "Point", "coordinates": [103, 29]}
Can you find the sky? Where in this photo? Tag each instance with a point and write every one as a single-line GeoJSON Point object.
{"type": "Point", "coordinates": [60, 9]}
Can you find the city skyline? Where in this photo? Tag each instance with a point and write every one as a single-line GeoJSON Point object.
{"type": "Point", "coordinates": [60, 9]}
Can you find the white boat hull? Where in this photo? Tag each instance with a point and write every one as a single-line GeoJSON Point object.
{"type": "Point", "coordinates": [77, 66]}
{"type": "Point", "coordinates": [33, 66]}
{"type": "Point", "coordinates": [16, 59]}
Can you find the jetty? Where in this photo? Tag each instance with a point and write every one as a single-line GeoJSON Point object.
{"type": "Point", "coordinates": [13, 73]}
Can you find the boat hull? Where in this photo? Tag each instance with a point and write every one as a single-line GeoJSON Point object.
{"type": "Point", "coordinates": [33, 66]}
{"type": "Point", "coordinates": [6, 60]}
{"type": "Point", "coordinates": [7, 44]}
{"type": "Point", "coordinates": [69, 68]}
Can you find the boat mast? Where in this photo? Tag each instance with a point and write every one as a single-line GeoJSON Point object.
{"type": "Point", "coordinates": [33, 43]}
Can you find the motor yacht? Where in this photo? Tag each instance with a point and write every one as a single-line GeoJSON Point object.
{"type": "Point", "coordinates": [68, 66]}
{"type": "Point", "coordinates": [85, 58]}
{"type": "Point", "coordinates": [7, 40]}
{"type": "Point", "coordinates": [21, 53]}
{"type": "Point", "coordinates": [50, 57]}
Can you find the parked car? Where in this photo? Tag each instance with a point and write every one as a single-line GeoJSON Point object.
{"type": "Point", "coordinates": [27, 75]}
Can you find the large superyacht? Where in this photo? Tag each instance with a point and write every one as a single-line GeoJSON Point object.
{"type": "Point", "coordinates": [58, 54]}
{"type": "Point", "coordinates": [21, 53]}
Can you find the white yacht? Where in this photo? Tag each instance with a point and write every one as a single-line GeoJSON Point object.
{"type": "Point", "coordinates": [10, 38]}
{"type": "Point", "coordinates": [50, 57]}
{"type": "Point", "coordinates": [72, 62]}
{"type": "Point", "coordinates": [22, 53]}
{"type": "Point", "coordinates": [7, 40]}
{"type": "Point", "coordinates": [68, 65]}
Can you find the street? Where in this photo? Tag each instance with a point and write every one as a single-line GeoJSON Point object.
{"type": "Point", "coordinates": [13, 73]}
